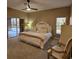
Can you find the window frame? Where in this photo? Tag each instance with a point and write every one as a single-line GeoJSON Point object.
{"type": "Point", "coordinates": [64, 22]}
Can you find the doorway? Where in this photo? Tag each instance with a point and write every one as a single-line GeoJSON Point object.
{"type": "Point", "coordinates": [13, 26]}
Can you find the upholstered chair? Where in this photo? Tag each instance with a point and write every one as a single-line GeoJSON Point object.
{"type": "Point", "coordinates": [62, 49]}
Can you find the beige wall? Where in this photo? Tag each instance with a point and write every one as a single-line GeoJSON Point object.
{"type": "Point", "coordinates": [50, 15]}
{"type": "Point", "coordinates": [46, 15]}
{"type": "Point", "coordinates": [16, 13]}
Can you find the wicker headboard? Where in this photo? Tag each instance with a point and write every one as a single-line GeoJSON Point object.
{"type": "Point", "coordinates": [43, 27]}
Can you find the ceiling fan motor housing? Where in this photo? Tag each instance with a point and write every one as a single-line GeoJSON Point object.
{"type": "Point", "coordinates": [28, 1]}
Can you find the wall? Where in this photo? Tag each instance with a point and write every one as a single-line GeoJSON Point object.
{"type": "Point", "coordinates": [50, 16]}
{"type": "Point", "coordinates": [46, 15]}
{"type": "Point", "coordinates": [17, 14]}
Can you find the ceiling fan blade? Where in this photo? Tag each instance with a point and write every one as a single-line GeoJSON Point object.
{"type": "Point", "coordinates": [24, 9]}
{"type": "Point", "coordinates": [27, 4]}
{"type": "Point", "coordinates": [33, 8]}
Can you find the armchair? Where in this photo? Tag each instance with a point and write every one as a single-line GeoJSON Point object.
{"type": "Point", "coordinates": [62, 49]}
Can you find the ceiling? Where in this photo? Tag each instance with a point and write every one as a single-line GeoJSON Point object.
{"type": "Point", "coordinates": [39, 4]}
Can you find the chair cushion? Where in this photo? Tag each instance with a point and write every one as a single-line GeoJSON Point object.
{"type": "Point", "coordinates": [58, 48]}
{"type": "Point", "coordinates": [57, 55]}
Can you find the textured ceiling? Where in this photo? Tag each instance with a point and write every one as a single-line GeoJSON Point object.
{"type": "Point", "coordinates": [39, 4]}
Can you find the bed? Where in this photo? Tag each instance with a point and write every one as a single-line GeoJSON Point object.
{"type": "Point", "coordinates": [39, 36]}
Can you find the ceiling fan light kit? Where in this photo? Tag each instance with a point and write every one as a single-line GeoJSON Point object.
{"type": "Point", "coordinates": [28, 8]}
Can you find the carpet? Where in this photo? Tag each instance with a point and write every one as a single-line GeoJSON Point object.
{"type": "Point", "coordinates": [19, 50]}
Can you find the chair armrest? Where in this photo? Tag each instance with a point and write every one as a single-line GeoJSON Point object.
{"type": "Point", "coordinates": [59, 51]}
{"type": "Point", "coordinates": [49, 50]}
{"type": "Point", "coordinates": [58, 48]}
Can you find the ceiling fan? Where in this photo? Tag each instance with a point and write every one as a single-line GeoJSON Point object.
{"type": "Point", "coordinates": [28, 8]}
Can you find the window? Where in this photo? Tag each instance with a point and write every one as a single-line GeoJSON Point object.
{"type": "Point", "coordinates": [60, 21]}
{"type": "Point", "coordinates": [13, 27]}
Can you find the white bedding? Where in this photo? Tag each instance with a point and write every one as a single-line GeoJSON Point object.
{"type": "Point", "coordinates": [41, 35]}
{"type": "Point", "coordinates": [35, 37]}
{"type": "Point", "coordinates": [48, 35]}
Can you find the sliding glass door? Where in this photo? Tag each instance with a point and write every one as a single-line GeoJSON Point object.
{"type": "Point", "coordinates": [13, 27]}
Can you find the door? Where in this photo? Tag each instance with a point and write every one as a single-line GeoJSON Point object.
{"type": "Point", "coordinates": [21, 25]}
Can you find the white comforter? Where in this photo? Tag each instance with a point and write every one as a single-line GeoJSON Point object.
{"type": "Point", "coordinates": [43, 37]}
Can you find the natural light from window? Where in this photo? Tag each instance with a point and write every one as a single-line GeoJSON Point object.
{"type": "Point", "coordinates": [60, 21]}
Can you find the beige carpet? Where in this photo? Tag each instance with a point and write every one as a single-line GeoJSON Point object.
{"type": "Point", "coordinates": [19, 50]}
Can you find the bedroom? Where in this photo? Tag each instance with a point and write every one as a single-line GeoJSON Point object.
{"type": "Point", "coordinates": [23, 21]}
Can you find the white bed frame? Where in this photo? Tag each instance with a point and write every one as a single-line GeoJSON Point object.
{"type": "Point", "coordinates": [41, 27]}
